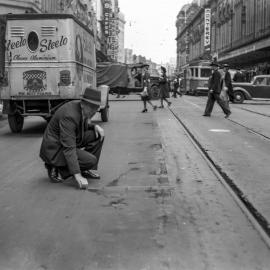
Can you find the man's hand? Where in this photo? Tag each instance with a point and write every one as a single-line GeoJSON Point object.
{"type": "Point", "coordinates": [81, 181]}
{"type": "Point", "coordinates": [99, 131]}
{"type": "Point", "coordinates": [211, 91]}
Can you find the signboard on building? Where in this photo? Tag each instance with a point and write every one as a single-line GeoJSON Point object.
{"type": "Point", "coordinates": [111, 30]}
{"type": "Point", "coordinates": [107, 9]}
{"type": "Point", "coordinates": [207, 29]}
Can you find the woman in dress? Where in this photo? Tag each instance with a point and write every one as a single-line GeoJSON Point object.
{"type": "Point", "coordinates": [146, 95]}
{"type": "Point", "coordinates": [164, 89]}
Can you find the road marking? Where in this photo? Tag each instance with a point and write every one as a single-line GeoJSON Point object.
{"type": "Point", "coordinates": [219, 130]}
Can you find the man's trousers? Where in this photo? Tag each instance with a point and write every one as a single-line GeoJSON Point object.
{"type": "Point", "coordinates": [212, 97]}
{"type": "Point", "coordinates": [88, 153]}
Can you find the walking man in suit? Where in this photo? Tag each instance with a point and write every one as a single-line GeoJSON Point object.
{"type": "Point", "coordinates": [71, 144]}
{"type": "Point", "coordinates": [214, 92]}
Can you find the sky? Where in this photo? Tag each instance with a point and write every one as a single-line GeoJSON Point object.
{"type": "Point", "coordinates": [150, 27]}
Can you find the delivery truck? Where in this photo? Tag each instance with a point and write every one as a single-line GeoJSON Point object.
{"type": "Point", "coordinates": [49, 59]}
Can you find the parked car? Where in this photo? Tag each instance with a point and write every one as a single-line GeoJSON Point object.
{"type": "Point", "coordinates": [259, 87]}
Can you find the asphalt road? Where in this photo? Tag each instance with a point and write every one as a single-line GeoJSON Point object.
{"type": "Point", "coordinates": [157, 205]}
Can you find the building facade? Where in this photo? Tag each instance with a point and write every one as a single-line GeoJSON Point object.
{"type": "Point", "coordinates": [121, 37]}
{"type": "Point", "coordinates": [17, 6]}
{"type": "Point", "coordinates": [111, 28]}
{"type": "Point", "coordinates": [128, 56]}
{"type": "Point", "coordinates": [239, 34]}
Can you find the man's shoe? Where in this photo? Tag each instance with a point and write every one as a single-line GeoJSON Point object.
{"type": "Point", "coordinates": [169, 103]}
{"type": "Point", "coordinates": [228, 114]}
{"type": "Point", "coordinates": [208, 115]}
{"type": "Point", "coordinates": [53, 174]}
{"type": "Point", "coordinates": [90, 174]}
{"type": "Point", "coordinates": [155, 107]}
{"type": "Point", "coordinates": [144, 110]}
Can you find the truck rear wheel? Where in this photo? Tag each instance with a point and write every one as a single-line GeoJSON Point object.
{"type": "Point", "coordinates": [105, 113]}
{"type": "Point", "coordinates": [15, 122]}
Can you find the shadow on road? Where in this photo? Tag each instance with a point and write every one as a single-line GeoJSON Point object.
{"type": "Point", "coordinates": [31, 129]}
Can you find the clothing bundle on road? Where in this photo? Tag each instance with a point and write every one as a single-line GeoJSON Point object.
{"type": "Point", "coordinates": [71, 144]}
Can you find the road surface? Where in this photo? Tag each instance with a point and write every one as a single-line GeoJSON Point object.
{"type": "Point", "coordinates": [157, 206]}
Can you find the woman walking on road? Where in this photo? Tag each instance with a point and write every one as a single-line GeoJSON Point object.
{"type": "Point", "coordinates": [146, 95]}
{"type": "Point", "coordinates": [164, 89]}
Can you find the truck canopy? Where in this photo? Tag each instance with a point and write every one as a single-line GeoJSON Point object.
{"type": "Point", "coordinates": [113, 74]}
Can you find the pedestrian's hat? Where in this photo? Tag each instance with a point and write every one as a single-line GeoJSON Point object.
{"type": "Point", "coordinates": [92, 96]}
{"type": "Point", "coordinates": [214, 64]}
{"type": "Point", "coordinates": [163, 69]}
{"type": "Point", "coordinates": [226, 66]}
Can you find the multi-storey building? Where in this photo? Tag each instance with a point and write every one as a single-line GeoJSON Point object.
{"type": "Point", "coordinates": [101, 16]}
{"type": "Point", "coordinates": [17, 6]}
{"type": "Point", "coordinates": [121, 37]}
{"type": "Point", "coordinates": [111, 28]}
{"type": "Point", "coordinates": [128, 56]}
{"type": "Point", "coordinates": [236, 32]}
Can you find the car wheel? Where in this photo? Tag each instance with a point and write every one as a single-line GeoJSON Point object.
{"type": "Point", "coordinates": [238, 97]}
{"type": "Point", "coordinates": [15, 122]}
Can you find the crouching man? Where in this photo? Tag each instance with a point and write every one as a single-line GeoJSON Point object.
{"type": "Point", "coordinates": [71, 144]}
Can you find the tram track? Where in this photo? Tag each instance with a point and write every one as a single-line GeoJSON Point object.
{"type": "Point", "coordinates": [251, 130]}
{"type": "Point", "coordinates": [256, 218]}
{"type": "Point", "coordinates": [251, 111]}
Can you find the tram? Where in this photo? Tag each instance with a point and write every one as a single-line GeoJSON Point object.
{"type": "Point", "coordinates": [196, 76]}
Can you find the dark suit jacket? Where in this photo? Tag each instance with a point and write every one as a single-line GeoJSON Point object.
{"type": "Point", "coordinates": [228, 82]}
{"type": "Point", "coordinates": [63, 135]}
{"type": "Point", "coordinates": [215, 82]}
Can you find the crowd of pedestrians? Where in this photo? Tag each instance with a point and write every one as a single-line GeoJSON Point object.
{"type": "Point", "coordinates": [219, 86]}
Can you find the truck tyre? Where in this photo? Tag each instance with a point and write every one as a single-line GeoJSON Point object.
{"type": "Point", "coordinates": [238, 97]}
{"type": "Point", "coordinates": [15, 122]}
{"type": "Point", "coordinates": [105, 113]}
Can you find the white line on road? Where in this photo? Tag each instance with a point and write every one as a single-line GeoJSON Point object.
{"type": "Point", "coordinates": [219, 130]}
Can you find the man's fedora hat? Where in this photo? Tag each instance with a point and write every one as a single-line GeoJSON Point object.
{"type": "Point", "coordinates": [214, 64]}
{"type": "Point", "coordinates": [92, 96]}
{"type": "Point", "coordinates": [226, 66]}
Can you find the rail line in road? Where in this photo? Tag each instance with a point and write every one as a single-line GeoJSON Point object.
{"type": "Point", "coordinates": [239, 124]}
{"type": "Point", "coordinates": [256, 218]}
{"type": "Point", "coordinates": [250, 130]}
{"type": "Point", "coordinates": [263, 114]}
